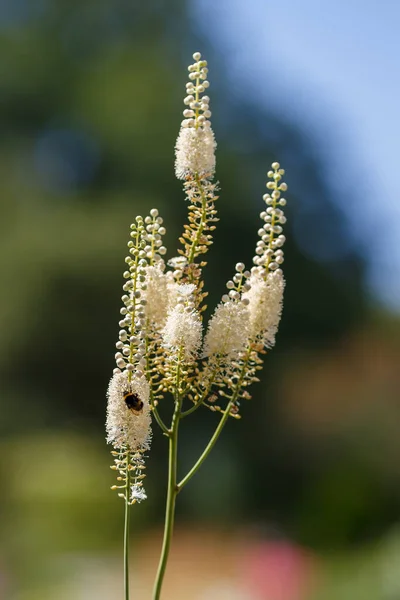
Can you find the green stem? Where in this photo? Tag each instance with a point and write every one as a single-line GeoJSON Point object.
{"type": "Point", "coordinates": [170, 506]}
{"type": "Point", "coordinates": [172, 480]}
{"type": "Point", "coordinates": [126, 528]}
{"type": "Point", "coordinates": [159, 420]}
{"type": "Point", "coordinates": [189, 411]}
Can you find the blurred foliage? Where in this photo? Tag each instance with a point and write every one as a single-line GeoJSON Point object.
{"type": "Point", "coordinates": [90, 105]}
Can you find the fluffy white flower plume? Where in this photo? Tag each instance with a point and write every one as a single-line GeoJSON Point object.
{"type": "Point", "coordinates": [195, 152]}
{"type": "Point", "coordinates": [156, 295]}
{"type": "Point", "coordinates": [182, 331]}
{"type": "Point", "coordinates": [160, 295]}
{"type": "Point", "coordinates": [185, 290]}
{"type": "Point", "coordinates": [128, 412]}
{"type": "Point", "coordinates": [138, 494]}
{"type": "Point", "coordinates": [265, 305]}
{"type": "Point", "coordinates": [228, 330]}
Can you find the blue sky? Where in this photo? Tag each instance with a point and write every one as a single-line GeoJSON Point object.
{"type": "Point", "coordinates": [334, 68]}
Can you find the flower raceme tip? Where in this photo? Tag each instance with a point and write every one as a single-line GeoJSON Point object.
{"type": "Point", "coordinates": [195, 146]}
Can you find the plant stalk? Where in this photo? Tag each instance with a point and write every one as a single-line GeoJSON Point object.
{"type": "Point", "coordinates": [172, 480]}
{"type": "Point", "coordinates": [170, 506]}
{"type": "Point", "coordinates": [126, 528]}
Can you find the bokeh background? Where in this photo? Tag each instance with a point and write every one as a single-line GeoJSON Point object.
{"type": "Point", "coordinates": [300, 499]}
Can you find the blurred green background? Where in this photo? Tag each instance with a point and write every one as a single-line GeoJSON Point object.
{"type": "Point", "coordinates": [300, 499]}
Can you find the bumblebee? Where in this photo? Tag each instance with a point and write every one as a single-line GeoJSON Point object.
{"type": "Point", "coordinates": [133, 402]}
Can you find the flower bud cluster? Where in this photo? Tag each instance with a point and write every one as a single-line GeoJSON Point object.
{"type": "Point", "coordinates": [237, 285]}
{"type": "Point", "coordinates": [154, 248]}
{"type": "Point", "coordinates": [198, 112]}
{"type": "Point", "coordinates": [131, 344]}
{"type": "Point", "coordinates": [269, 253]}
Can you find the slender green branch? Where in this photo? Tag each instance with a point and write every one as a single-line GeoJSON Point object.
{"type": "Point", "coordinates": [169, 510]}
{"type": "Point", "coordinates": [159, 420]}
{"type": "Point", "coordinates": [208, 448]}
{"type": "Point", "coordinates": [219, 428]}
{"type": "Point", "coordinates": [126, 527]}
{"type": "Point", "coordinates": [189, 411]}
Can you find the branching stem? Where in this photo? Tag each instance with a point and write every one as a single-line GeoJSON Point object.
{"type": "Point", "coordinates": [208, 448]}
{"type": "Point", "coordinates": [219, 428]}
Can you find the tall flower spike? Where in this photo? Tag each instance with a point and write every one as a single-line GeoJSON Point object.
{"type": "Point", "coordinates": [266, 282]}
{"type": "Point", "coordinates": [258, 296]}
{"type": "Point", "coordinates": [128, 411]}
{"type": "Point", "coordinates": [195, 146]}
{"type": "Point", "coordinates": [195, 163]}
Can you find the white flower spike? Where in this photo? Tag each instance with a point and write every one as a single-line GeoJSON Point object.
{"type": "Point", "coordinates": [195, 146]}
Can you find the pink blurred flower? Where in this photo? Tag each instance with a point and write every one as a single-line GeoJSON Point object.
{"type": "Point", "coordinates": [278, 571]}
